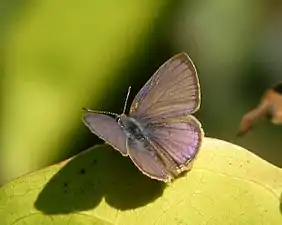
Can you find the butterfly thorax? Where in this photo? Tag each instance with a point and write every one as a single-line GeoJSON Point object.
{"type": "Point", "coordinates": [131, 127]}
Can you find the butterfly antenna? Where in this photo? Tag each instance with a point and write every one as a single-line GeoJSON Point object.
{"type": "Point", "coordinates": [125, 104]}
{"type": "Point", "coordinates": [100, 112]}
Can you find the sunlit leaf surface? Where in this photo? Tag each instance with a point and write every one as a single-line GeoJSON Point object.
{"type": "Point", "coordinates": [227, 185]}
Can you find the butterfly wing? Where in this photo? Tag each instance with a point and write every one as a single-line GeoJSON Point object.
{"type": "Point", "coordinates": [163, 106]}
{"type": "Point", "coordinates": [147, 159]}
{"type": "Point", "coordinates": [108, 129]}
{"type": "Point", "coordinates": [172, 91]}
{"type": "Point", "coordinates": [169, 148]}
{"type": "Point", "coordinates": [177, 138]}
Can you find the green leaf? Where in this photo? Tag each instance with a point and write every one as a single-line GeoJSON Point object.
{"type": "Point", "coordinates": [226, 185]}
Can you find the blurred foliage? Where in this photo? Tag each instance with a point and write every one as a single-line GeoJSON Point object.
{"type": "Point", "coordinates": [227, 185]}
{"type": "Point", "coordinates": [58, 56]}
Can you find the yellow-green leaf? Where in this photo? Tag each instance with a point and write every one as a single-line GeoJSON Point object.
{"type": "Point", "coordinates": [227, 185]}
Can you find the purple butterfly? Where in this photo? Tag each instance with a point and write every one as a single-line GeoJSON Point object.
{"type": "Point", "coordinates": [159, 134]}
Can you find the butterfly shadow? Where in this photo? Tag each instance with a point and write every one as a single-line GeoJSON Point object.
{"type": "Point", "coordinates": [280, 205]}
{"type": "Point", "coordinates": [98, 174]}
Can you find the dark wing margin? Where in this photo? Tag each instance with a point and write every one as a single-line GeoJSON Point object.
{"type": "Point", "coordinates": [172, 91]}
{"type": "Point", "coordinates": [107, 128]}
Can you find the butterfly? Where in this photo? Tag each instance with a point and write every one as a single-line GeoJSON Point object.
{"type": "Point", "coordinates": [159, 134]}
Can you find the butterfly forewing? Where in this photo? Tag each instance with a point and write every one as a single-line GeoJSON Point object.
{"type": "Point", "coordinates": [108, 129]}
{"type": "Point", "coordinates": [172, 91]}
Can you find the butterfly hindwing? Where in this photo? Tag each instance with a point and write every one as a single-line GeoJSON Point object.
{"type": "Point", "coordinates": [180, 138]}
{"type": "Point", "coordinates": [168, 148]}
{"type": "Point", "coordinates": [147, 160]}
